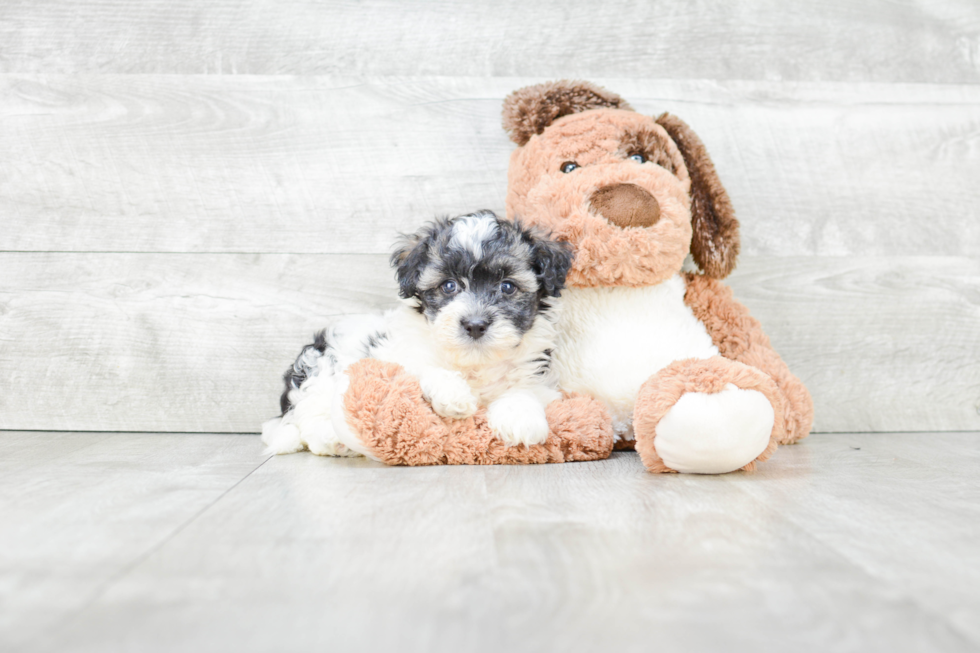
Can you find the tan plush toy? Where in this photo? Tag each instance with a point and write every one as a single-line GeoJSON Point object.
{"type": "Point", "coordinates": [686, 374]}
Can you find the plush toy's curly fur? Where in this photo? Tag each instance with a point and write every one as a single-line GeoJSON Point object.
{"type": "Point", "coordinates": [633, 195]}
{"type": "Point", "coordinates": [384, 405]}
{"type": "Point", "coordinates": [739, 337]}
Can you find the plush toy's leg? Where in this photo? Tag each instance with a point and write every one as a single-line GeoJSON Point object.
{"type": "Point", "coordinates": [707, 417]}
{"type": "Point", "coordinates": [385, 417]}
{"type": "Point", "coordinates": [740, 337]}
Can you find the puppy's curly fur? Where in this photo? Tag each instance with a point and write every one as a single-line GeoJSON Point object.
{"type": "Point", "coordinates": [475, 327]}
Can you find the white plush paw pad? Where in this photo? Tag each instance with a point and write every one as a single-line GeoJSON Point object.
{"type": "Point", "coordinates": [715, 433]}
{"type": "Point", "coordinates": [449, 394]}
{"type": "Point", "coordinates": [518, 419]}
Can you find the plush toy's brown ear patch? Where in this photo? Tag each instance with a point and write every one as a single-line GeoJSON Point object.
{"type": "Point", "coordinates": [715, 243]}
{"type": "Point", "coordinates": [529, 111]}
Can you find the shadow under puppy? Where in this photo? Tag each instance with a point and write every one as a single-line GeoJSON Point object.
{"type": "Point", "coordinates": [475, 327]}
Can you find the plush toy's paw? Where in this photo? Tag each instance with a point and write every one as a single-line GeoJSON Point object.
{"type": "Point", "coordinates": [707, 416]}
{"type": "Point", "coordinates": [518, 418]}
{"type": "Point", "coordinates": [448, 393]}
{"type": "Point", "coordinates": [715, 433]}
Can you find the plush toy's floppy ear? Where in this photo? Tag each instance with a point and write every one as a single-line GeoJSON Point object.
{"type": "Point", "coordinates": [529, 111]}
{"type": "Point", "coordinates": [715, 243]}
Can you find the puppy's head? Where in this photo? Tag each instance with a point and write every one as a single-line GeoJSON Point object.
{"type": "Point", "coordinates": [480, 281]}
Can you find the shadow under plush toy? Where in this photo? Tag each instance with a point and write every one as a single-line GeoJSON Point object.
{"type": "Point", "coordinates": [686, 374]}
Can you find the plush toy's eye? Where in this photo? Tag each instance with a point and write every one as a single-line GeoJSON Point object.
{"type": "Point", "coordinates": [568, 166]}
{"type": "Point", "coordinates": [508, 288]}
{"type": "Point", "coordinates": [449, 287]}
{"type": "Point", "coordinates": [639, 158]}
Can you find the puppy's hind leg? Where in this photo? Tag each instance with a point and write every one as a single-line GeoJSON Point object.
{"type": "Point", "coordinates": [282, 434]}
{"type": "Point", "coordinates": [281, 437]}
{"type": "Point", "coordinates": [308, 424]}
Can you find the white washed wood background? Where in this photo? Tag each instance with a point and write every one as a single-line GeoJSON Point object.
{"type": "Point", "coordinates": [189, 189]}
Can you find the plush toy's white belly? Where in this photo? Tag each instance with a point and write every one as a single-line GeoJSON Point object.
{"type": "Point", "coordinates": [611, 340]}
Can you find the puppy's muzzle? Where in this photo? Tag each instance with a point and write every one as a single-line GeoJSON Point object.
{"type": "Point", "coordinates": [477, 328]}
{"type": "Point", "coordinates": [626, 205]}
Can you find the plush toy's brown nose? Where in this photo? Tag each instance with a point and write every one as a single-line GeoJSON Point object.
{"type": "Point", "coordinates": [626, 205]}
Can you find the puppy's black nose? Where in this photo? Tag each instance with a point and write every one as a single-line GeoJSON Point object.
{"type": "Point", "coordinates": [476, 328]}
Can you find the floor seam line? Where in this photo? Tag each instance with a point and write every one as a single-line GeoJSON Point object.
{"type": "Point", "coordinates": [128, 569]}
{"type": "Point", "coordinates": [966, 638]}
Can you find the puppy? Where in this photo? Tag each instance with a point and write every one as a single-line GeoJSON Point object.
{"type": "Point", "coordinates": [474, 326]}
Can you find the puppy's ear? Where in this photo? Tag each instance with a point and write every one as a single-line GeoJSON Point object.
{"type": "Point", "coordinates": [715, 243]}
{"type": "Point", "coordinates": [551, 260]}
{"type": "Point", "coordinates": [529, 111]}
{"type": "Point", "coordinates": [410, 257]}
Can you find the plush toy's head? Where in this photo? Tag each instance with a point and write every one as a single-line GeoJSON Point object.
{"type": "Point", "coordinates": [633, 194]}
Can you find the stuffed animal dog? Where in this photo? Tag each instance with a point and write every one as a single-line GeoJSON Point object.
{"type": "Point", "coordinates": [688, 375]}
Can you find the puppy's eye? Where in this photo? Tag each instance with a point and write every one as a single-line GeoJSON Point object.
{"type": "Point", "coordinates": [568, 166]}
{"type": "Point", "coordinates": [449, 287]}
{"type": "Point", "coordinates": [508, 288]}
{"type": "Point", "coordinates": [639, 158]}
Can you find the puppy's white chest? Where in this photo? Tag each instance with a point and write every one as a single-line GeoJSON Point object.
{"type": "Point", "coordinates": [611, 340]}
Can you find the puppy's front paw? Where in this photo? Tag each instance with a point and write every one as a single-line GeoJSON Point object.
{"type": "Point", "coordinates": [518, 419]}
{"type": "Point", "coordinates": [449, 394]}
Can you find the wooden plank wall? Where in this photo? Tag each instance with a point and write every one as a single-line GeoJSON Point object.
{"type": "Point", "coordinates": [189, 189]}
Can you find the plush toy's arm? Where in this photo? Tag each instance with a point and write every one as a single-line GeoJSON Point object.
{"type": "Point", "coordinates": [385, 411]}
{"type": "Point", "coordinates": [739, 337]}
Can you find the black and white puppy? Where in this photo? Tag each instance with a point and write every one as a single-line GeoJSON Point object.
{"type": "Point", "coordinates": [475, 327]}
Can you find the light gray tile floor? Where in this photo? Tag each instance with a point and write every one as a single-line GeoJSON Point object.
{"type": "Point", "coordinates": [167, 542]}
